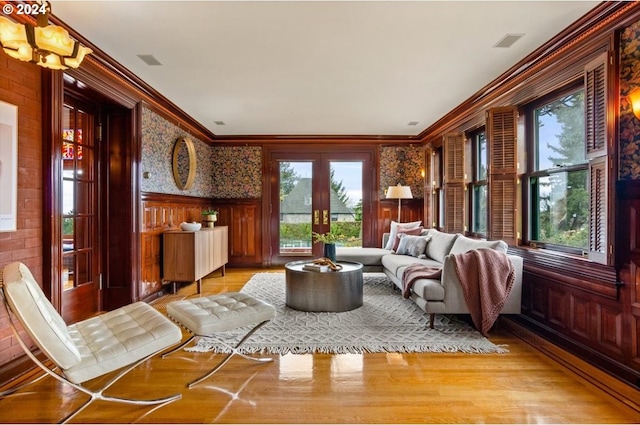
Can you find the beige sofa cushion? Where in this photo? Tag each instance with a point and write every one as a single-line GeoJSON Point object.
{"type": "Point", "coordinates": [394, 262]}
{"type": "Point", "coordinates": [439, 245]}
{"type": "Point", "coordinates": [463, 244]}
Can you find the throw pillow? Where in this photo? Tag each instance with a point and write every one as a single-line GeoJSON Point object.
{"type": "Point", "coordinates": [413, 245]}
{"type": "Point", "coordinates": [394, 231]}
{"type": "Point", "coordinates": [402, 232]}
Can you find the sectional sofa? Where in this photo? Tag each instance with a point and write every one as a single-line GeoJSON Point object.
{"type": "Point", "coordinates": [437, 295]}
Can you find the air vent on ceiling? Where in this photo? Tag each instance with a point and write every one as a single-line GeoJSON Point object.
{"type": "Point", "coordinates": [508, 40]}
{"type": "Point", "coordinates": [219, 122]}
{"type": "Point", "coordinates": [413, 122]}
{"type": "Point", "coordinates": [149, 60]}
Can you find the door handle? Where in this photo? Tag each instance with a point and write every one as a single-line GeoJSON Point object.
{"type": "Point", "coordinates": [316, 217]}
{"type": "Point", "coordinates": [325, 216]}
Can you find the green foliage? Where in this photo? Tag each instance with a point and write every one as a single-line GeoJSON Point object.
{"type": "Point", "coordinates": [67, 226]}
{"type": "Point", "coordinates": [295, 231]}
{"type": "Point", "coordinates": [288, 179]}
{"type": "Point", "coordinates": [564, 212]}
{"type": "Point", "coordinates": [347, 233]}
{"type": "Point", "coordinates": [338, 188]}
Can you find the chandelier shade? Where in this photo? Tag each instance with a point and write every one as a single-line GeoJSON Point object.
{"type": "Point", "coordinates": [49, 46]}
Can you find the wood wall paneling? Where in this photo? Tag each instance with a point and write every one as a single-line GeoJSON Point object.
{"type": "Point", "coordinates": [161, 212]}
{"type": "Point", "coordinates": [244, 219]}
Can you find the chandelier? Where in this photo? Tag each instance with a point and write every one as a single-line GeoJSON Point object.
{"type": "Point", "coordinates": [49, 46]}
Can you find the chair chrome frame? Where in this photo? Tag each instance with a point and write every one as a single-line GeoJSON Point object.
{"type": "Point", "coordinates": [93, 394]}
{"type": "Point", "coordinates": [234, 351]}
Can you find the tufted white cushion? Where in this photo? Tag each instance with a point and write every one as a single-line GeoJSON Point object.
{"type": "Point", "coordinates": [118, 338]}
{"type": "Point", "coordinates": [42, 322]}
{"type": "Point", "coordinates": [217, 313]}
{"type": "Point", "coordinates": [93, 347]}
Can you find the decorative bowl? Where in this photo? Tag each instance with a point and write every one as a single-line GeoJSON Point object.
{"type": "Point", "coordinates": [190, 227]}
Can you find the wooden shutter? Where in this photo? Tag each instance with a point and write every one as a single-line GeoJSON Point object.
{"type": "Point", "coordinates": [454, 197]}
{"type": "Point", "coordinates": [598, 200]}
{"type": "Point", "coordinates": [454, 183]}
{"type": "Point", "coordinates": [595, 106]}
{"type": "Point", "coordinates": [503, 178]}
{"type": "Point", "coordinates": [597, 151]}
{"type": "Point", "coordinates": [453, 144]}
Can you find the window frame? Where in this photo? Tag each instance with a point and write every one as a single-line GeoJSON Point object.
{"type": "Point", "coordinates": [532, 173]}
{"type": "Point", "coordinates": [476, 181]}
{"type": "Point", "coordinates": [438, 193]}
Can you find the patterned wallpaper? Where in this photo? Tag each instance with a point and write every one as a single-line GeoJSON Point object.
{"type": "Point", "coordinates": [629, 156]}
{"type": "Point", "coordinates": [158, 138]}
{"type": "Point", "coordinates": [237, 172]}
{"type": "Point", "coordinates": [402, 165]}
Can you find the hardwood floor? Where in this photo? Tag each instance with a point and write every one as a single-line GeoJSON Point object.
{"type": "Point", "coordinates": [523, 386]}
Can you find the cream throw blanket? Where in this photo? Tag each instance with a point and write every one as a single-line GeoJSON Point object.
{"type": "Point", "coordinates": [486, 276]}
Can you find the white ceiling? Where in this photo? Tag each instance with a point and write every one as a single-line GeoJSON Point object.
{"type": "Point", "coordinates": [318, 67]}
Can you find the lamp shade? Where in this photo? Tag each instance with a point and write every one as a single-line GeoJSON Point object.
{"type": "Point", "coordinates": [399, 192]}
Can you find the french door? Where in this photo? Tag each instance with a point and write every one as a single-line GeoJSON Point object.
{"type": "Point", "coordinates": [79, 208]}
{"type": "Point", "coordinates": [319, 192]}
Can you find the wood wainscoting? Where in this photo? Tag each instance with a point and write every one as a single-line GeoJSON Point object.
{"type": "Point", "coordinates": [590, 309]}
{"type": "Point", "coordinates": [244, 219]}
{"type": "Point", "coordinates": [162, 212]}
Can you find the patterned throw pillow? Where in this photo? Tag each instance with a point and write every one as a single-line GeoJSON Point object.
{"type": "Point", "coordinates": [393, 232]}
{"type": "Point", "coordinates": [401, 232]}
{"type": "Point", "coordinates": [412, 245]}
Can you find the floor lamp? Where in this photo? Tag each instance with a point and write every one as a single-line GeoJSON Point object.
{"type": "Point", "coordinates": [399, 192]}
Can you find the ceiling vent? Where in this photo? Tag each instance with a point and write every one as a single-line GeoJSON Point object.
{"type": "Point", "coordinates": [508, 40]}
{"type": "Point", "coordinates": [219, 122]}
{"type": "Point", "coordinates": [149, 60]}
{"type": "Point", "coordinates": [413, 122]}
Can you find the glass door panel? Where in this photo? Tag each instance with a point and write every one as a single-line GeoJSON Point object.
{"type": "Point", "coordinates": [296, 207]}
{"type": "Point", "coordinates": [78, 199]}
{"type": "Point", "coordinates": [345, 207]}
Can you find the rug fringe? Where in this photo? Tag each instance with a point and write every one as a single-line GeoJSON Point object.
{"type": "Point", "coordinates": [203, 347]}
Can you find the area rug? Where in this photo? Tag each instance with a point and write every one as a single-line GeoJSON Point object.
{"type": "Point", "coordinates": [386, 322]}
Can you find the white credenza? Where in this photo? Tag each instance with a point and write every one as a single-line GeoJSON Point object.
{"type": "Point", "coordinates": [190, 256]}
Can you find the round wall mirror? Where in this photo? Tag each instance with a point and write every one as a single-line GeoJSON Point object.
{"type": "Point", "coordinates": [184, 163]}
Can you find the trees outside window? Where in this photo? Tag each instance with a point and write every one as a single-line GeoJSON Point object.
{"type": "Point", "coordinates": [558, 182]}
{"type": "Point", "coordinates": [478, 184]}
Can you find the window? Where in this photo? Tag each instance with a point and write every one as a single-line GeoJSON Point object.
{"type": "Point", "coordinates": [558, 177]}
{"type": "Point", "coordinates": [478, 184]}
{"type": "Point", "coordinates": [438, 193]}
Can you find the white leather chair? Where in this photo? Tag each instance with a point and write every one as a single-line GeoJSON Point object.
{"type": "Point", "coordinates": [119, 339]}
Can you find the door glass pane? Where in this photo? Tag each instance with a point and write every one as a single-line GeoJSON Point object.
{"type": "Point", "coordinates": [295, 207]}
{"type": "Point", "coordinates": [78, 209]}
{"type": "Point", "coordinates": [346, 201]}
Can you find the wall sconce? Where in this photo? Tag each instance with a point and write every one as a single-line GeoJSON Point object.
{"type": "Point", "coordinates": [399, 192]}
{"type": "Point", "coordinates": [49, 46]}
{"type": "Point", "coordinates": [634, 99]}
